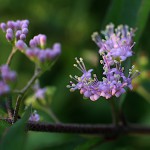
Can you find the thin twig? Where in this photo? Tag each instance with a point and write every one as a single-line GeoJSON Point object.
{"type": "Point", "coordinates": [8, 101]}
{"type": "Point", "coordinates": [114, 111]}
{"type": "Point", "coordinates": [32, 80]}
{"type": "Point", "coordinates": [17, 106]}
{"type": "Point", "coordinates": [23, 91]}
{"type": "Point", "coordinates": [11, 55]}
{"type": "Point", "coordinates": [9, 108]}
{"type": "Point", "coordinates": [122, 117]}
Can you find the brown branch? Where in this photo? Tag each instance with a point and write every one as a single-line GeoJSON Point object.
{"type": "Point", "coordinates": [16, 110]}
{"type": "Point", "coordinates": [108, 130]}
{"type": "Point", "coordinates": [103, 129]}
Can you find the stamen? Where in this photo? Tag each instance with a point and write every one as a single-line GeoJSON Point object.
{"type": "Point", "coordinates": [75, 65]}
{"type": "Point", "coordinates": [135, 74]}
{"type": "Point", "coordinates": [132, 45]}
{"type": "Point", "coordinates": [133, 67]}
{"type": "Point", "coordinates": [82, 63]}
{"type": "Point", "coordinates": [68, 86]}
{"type": "Point", "coordinates": [96, 38]}
{"type": "Point", "coordinates": [73, 78]}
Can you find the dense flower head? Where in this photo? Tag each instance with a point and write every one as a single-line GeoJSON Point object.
{"type": "Point", "coordinates": [117, 42]}
{"type": "Point", "coordinates": [114, 49]}
{"type": "Point", "coordinates": [34, 117]}
{"type": "Point", "coordinates": [15, 30]}
{"type": "Point", "coordinates": [37, 51]}
{"type": "Point", "coordinates": [44, 55]}
{"type": "Point", "coordinates": [6, 77]}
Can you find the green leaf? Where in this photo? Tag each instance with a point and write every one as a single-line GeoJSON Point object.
{"type": "Point", "coordinates": [37, 104]}
{"type": "Point", "coordinates": [52, 141]}
{"type": "Point", "coordinates": [144, 93]}
{"type": "Point", "coordinates": [15, 137]}
{"type": "Point", "coordinates": [142, 18]}
{"type": "Point", "coordinates": [133, 13]}
{"type": "Point", "coordinates": [89, 144]}
{"type": "Point", "coordinates": [3, 127]}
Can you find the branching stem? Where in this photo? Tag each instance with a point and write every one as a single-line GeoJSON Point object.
{"type": "Point", "coordinates": [14, 50]}
{"type": "Point", "coordinates": [22, 92]}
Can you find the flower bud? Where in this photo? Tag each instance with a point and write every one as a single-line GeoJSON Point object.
{"type": "Point", "coordinates": [21, 45]}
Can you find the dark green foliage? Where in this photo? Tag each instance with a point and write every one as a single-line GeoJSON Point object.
{"type": "Point", "coordinates": [15, 137]}
{"type": "Point", "coordinates": [71, 23]}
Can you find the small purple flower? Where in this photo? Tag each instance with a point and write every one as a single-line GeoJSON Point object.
{"type": "Point", "coordinates": [4, 88]}
{"type": "Point", "coordinates": [34, 117]}
{"type": "Point", "coordinates": [22, 37]}
{"type": "Point", "coordinates": [3, 27]}
{"type": "Point", "coordinates": [33, 53]}
{"type": "Point", "coordinates": [18, 33]}
{"type": "Point", "coordinates": [40, 93]}
{"type": "Point", "coordinates": [6, 74]}
{"type": "Point", "coordinates": [25, 31]}
{"type": "Point", "coordinates": [21, 45]}
{"type": "Point", "coordinates": [42, 40]}
{"type": "Point", "coordinates": [9, 36]}
{"type": "Point", "coordinates": [32, 43]}
{"type": "Point", "coordinates": [57, 49]}
{"type": "Point", "coordinates": [38, 40]}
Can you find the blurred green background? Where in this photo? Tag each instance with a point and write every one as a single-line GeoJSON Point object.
{"type": "Point", "coordinates": [71, 23]}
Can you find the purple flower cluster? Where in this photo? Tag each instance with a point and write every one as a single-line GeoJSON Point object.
{"type": "Point", "coordinates": [6, 76]}
{"type": "Point", "coordinates": [114, 49]}
{"type": "Point", "coordinates": [34, 117]}
{"type": "Point", "coordinates": [15, 30]}
{"type": "Point", "coordinates": [117, 43]}
{"type": "Point", "coordinates": [37, 51]}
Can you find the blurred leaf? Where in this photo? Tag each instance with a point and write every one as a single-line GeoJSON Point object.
{"type": "Point", "coordinates": [90, 57]}
{"type": "Point", "coordinates": [52, 141]}
{"type": "Point", "coordinates": [142, 18]}
{"type": "Point", "coordinates": [16, 136]}
{"type": "Point", "coordinates": [50, 91]}
{"type": "Point", "coordinates": [133, 13]}
{"type": "Point", "coordinates": [3, 126]}
{"type": "Point", "coordinates": [30, 100]}
{"type": "Point", "coordinates": [144, 93]}
{"type": "Point", "coordinates": [89, 144]}
{"type": "Point", "coordinates": [37, 104]}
